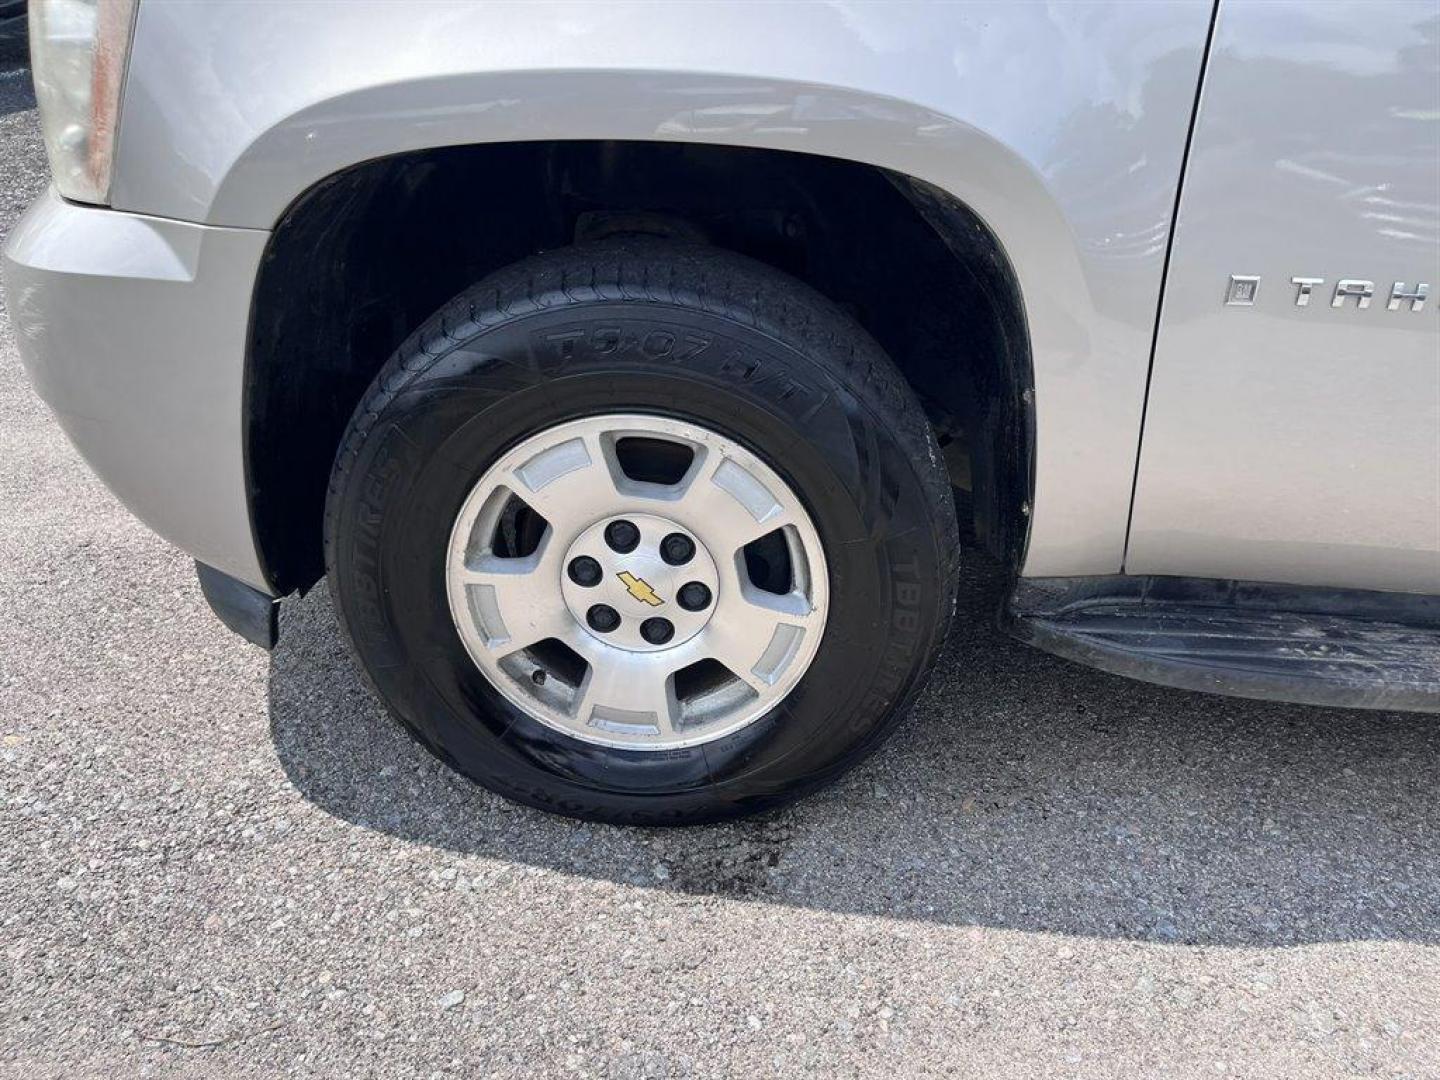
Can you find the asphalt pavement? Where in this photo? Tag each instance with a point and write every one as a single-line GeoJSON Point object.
{"type": "Point", "coordinates": [217, 862]}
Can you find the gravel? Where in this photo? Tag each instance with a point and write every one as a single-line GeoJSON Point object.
{"type": "Point", "coordinates": [217, 862]}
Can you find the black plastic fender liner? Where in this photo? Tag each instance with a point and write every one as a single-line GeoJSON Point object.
{"type": "Point", "coordinates": [1350, 648]}
{"type": "Point", "coordinates": [252, 614]}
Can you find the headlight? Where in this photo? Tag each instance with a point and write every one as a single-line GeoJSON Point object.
{"type": "Point", "coordinates": [78, 50]}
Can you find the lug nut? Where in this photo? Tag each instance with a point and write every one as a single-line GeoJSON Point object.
{"type": "Point", "coordinates": [694, 596]}
{"type": "Point", "coordinates": [622, 536]}
{"type": "Point", "coordinates": [677, 549]}
{"type": "Point", "coordinates": [603, 618]}
{"type": "Point", "coordinates": [657, 631]}
{"type": "Point", "coordinates": [585, 571]}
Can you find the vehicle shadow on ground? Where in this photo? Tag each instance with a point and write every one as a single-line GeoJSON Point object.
{"type": "Point", "coordinates": [1024, 793]}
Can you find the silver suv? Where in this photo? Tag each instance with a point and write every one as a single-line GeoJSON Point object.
{"type": "Point", "coordinates": [632, 371]}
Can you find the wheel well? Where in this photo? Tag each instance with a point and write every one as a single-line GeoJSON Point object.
{"type": "Point", "coordinates": [363, 257]}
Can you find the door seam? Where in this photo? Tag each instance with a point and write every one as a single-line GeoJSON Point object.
{"type": "Point", "coordinates": [1165, 272]}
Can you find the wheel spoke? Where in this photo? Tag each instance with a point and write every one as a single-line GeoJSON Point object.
{"type": "Point", "coordinates": [730, 506]}
{"type": "Point", "coordinates": [627, 694]}
{"type": "Point", "coordinates": [515, 601]}
{"type": "Point", "coordinates": [569, 484]}
{"type": "Point", "coordinates": [756, 634]}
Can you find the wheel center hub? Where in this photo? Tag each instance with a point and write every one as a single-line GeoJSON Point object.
{"type": "Point", "coordinates": [640, 582]}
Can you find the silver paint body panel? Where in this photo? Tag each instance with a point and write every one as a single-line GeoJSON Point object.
{"type": "Point", "coordinates": [1063, 126]}
{"type": "Point", "coordinates": [133, 330]}
{"type": "Point", "coordinates": [232, 109]}
{"type": "Point", "coordinates": [1296, 443]}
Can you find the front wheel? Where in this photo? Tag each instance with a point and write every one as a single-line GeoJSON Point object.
{"type": "Point", "coordinates": [643, 532]}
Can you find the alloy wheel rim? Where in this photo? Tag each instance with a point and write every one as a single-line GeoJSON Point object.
{"type": "Point", "coordinates": [637, 581]}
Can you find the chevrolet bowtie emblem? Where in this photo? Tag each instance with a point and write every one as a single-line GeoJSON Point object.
{"type": "Point", "coordinates": [639, 588]}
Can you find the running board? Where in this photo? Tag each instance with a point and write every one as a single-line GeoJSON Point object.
{"type": "Point", "coordinates": [1343, 647]}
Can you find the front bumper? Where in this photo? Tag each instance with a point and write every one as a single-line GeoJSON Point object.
{"type": "Point", "coordinates": [133, 330]}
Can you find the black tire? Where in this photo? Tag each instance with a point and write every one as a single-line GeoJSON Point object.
{"type": "Point", "coordinates": [705, 335]}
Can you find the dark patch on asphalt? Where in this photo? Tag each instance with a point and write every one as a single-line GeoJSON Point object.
{"type": "Point", "coordinates": [737, 861]}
